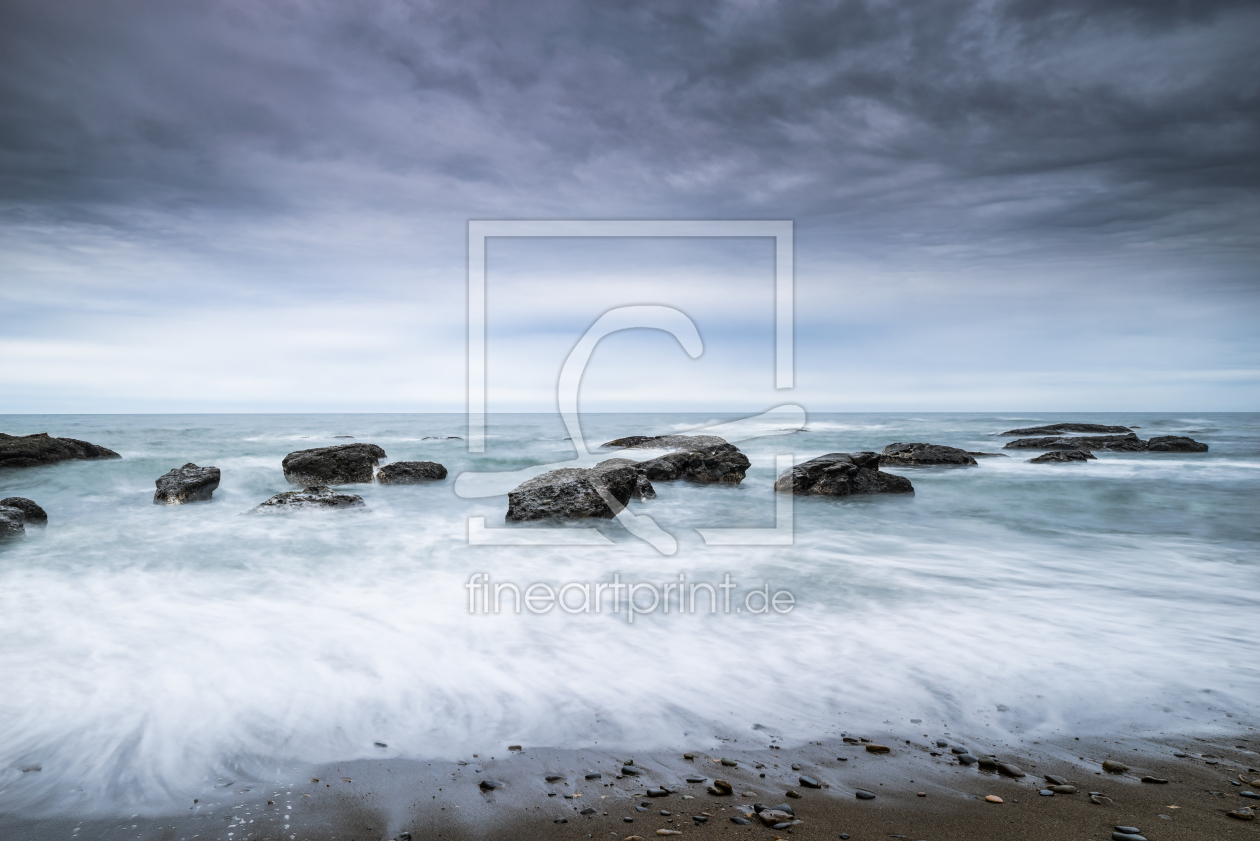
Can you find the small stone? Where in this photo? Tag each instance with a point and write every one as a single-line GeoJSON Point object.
{"type": "Point", "coordinates": [723, 786]}
{"type": "Point", "coordinates": [783, 807]}
{"type": "Point", "coordinates": [922, 794]}
{"type": "Point", "coordinates": [941, 743]}
{"type": "Point", "coordinates": [656, 792]}
{"type": "Point", "coordinates": [594, 775]}
{"type": "Point", "coordinates": [1126, 836]}
{"type": "Point", "coordinates": [1100, 800]}
{"type": "Point", "coordinates": [689, 756]}
{"type": "Point", "coordinates": [628, 819]}
{"type": "Point", "coordinates": [1045, 792]}
{"type": "Point", "coordinates": [665, 812]}
{"type": "Point", "coordinates": [864, 795]}
{"type": "Point", "coordinates": [1250, 794]}
{"type": "Point", "coordinates": [1112, 767]}
{"type": "Point", "coordinates": [954, 749]}
{"type": "Point", "coordinates": [988, 763]}
{"type": "Point", "coordinates": [515, 747]}
{"type": "Point", "coordinates": [1128, 830]}
{"type": "Point", "coordinates": [700, 818]}
{"type": "Point", "coordinates": [772, 817]}
{"type": "Point", "coordinates": [1155, 780]}
{"type": "Point", "coordinates": [668, 832]}
{"type": "Point", "coordinates": [551, 778]}
{"type": "Point", "coordinates": [809, 782]}
{"type": "Point", "coordinates": [587, 811]}
{"type": "Point", "coordinates": [561, 820]}
{"type": "Point", "coordinates": [874, 748]}
{"type": "Point", "coordinates": [1246, 813]}
{"type": "Point", "coordinates": [1010, 770]}
{"type": "Point", "coordinates": [740, 821]}
{"type": "Point", "coordinates": [1181, 755]}
{"type": "Point", "coordinates": [1055, 781]}
{"type": "Point", "coordinates": [728, 762]}
{"type": "Point", "coordinates": [792, 793]}
{"type": "Point", "coordinates": [694, 779]}
{"type": "Point", "coordinates": [993, 798]}
{"type": "Point", "coordinates": [795, 767]}
{"type": "Point", "coordinates": [490, 785]}
{"type": "Point", "coordinates": [966, 759]}
{"type": "Point", "coordinates": [631, 771]}
{"type": "Point", "coordinates": [1063, 789]}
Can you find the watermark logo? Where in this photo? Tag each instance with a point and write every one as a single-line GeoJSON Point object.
{"type": "Point", "coordinates": [776, 421]}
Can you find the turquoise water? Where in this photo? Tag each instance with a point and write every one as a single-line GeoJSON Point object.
{"type": "Point", "coordinates": [145, 649]}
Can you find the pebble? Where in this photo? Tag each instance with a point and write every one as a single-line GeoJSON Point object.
{"type": "Point", "coordinates": [955, 749]}
{"type": "Point", "coordinates": [1244, 814]}
{"type": "Point", "coordinates": [595, 776]}
{"type": "Point", "coordinates": [741, 821]}
{"type": "Point", "coordinates": [810, 782]}
{"type": "Point", "coordinates": [380, 744]}
{"type": "Point", "coordinates": [941, 743]}
{"type": "Point", "coordinates": [1250, 794]}
{"type": "Point", "coordinates": [1056, 781]}
{"type": "Point", "coordinates": [668, 832]}
{"type": "Point", "coordinates": [1155, 780]}
{"type": "Point", "coordinates": [988, 763]}
{"type": "Point", "coordinates": [1181, 755]}
{"type": "Point", "coordinates": [783, 807]}
{"type": "Point", "coordinates": [844, 836]}
{"type": "Point", "coordinates": [656, 792]}
{"type": "Point", "coordinates": [510, 747]}
{"type": "Point", "coordinates": [1063, 789]}
{"type": "Point", "coordinates": [490, 785]}
{"type": "Point", "coordinates": [664, 812]}
{"type": "Point", "coordinates": [1010, 770]}
{"type": "Point", "coordinates": [864, 795]}
{"type": "Point", "coordinates": [795, 767]}
{"type": "Point", "coordinates": [1113, 767]}
{"type": "Point", "coordinates": [561, 820]}
{"type": "Point", "coordinates": [700, 818]}
{"type": "Point", "coordinates": [723, 786]}
{"type": "Point", "coordinates": [631, 771]}
{"type": "Point", "coordinates": [993, 798]}
{"type": "Point", "coordinates": [966, 759]}
{"type": "Point", "coordinates": [1045, 792]}
{"type": "Point", "coordinates": [640, 808]}
{"type": "Point", "coordinates": [628, 820]}
{"type": "Point", "coordinates": [874, 748]}
{"type": "Point", "coordinates": [551, 778]}
{"type": "Point", "coordinates": [922, 794]}
{"type": "Point", "coordinates": [728, 762]}
{"type": "Point", "coordinates": [1100, 800]}
{"type": "Point", "coordinates": [587, 811]}
{"type": "Point", "coordinates": [1126, 836]}
{"type": "Point", "coordinates": [694, 779]}
{"type": "Point", "coordinates": [689, 756]}
{"type": "Point", "coordinates": [1129, 830]}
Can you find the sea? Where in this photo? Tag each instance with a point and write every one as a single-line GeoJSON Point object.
{"type": "Point", "coordinates": [148, 652]}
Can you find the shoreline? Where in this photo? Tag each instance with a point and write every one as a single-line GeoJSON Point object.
{"type": "Point", "coordinates": [918, 795]}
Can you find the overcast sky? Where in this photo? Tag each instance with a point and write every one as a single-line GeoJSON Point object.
{"type": "Point", "coordinates": [1000, 206]}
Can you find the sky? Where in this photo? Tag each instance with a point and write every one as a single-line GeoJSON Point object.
{"type": "Point", "coordinates": [997, 206]}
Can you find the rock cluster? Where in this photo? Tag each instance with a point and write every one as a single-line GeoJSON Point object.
{"type": "Point", "coordinates": [189, 483]}
{"type": "Point", "coordinates": [841, 474]}
{"type": "Point", "coordinates": [917, 454]}
{"type": "Point", "coordinates": [410, 473]}
{"type": "Point", "coordinates": [342, 464]}
{"type": "Point", "coordinates": [1127, 443]}
{"type": "Point", "coordinates": [1055, 428]}
{"type": "Point", "coordinates": [706, 459]}
{"type": "Point", "coordinates": [41, 448]}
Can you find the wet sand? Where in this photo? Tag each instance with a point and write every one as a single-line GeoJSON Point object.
{"type": "Point", "coordinates": [370, 800]}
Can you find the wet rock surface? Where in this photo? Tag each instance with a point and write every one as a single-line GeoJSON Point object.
{"type": "Point", "coordinates": [925, 454]}
{"type": "Point", "coordinates": [706, 459]}
{"type": "Point", "coordinates": [31, 511]}
{"type": "Point", "coordinates": [41, 448]}
{"type": "Point", "coordinates": [12, 522]}
{"type": "Point", "coordinates": [314, 497]}
{"type": "Point", "coordinates": [1129, 443]}
{"type": "Point", "coordinates": [1053, 428]}
{"type": "Point", "coordinates": [410, 473]}
{"type": "Point", "coordinates": [1063, 457]}
{"type": "Point", "coordinates": [575, 493]}
{"type": "Point", "coordinates": [841, 474]}
{"type": "Point", "coordinates": [189, 483]}
{"type": "Point", "coordinates": [343, 464]}
{"type": "Point", "coordinates": [1175, 444]}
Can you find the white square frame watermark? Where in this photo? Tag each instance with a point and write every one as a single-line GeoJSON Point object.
{"type": "Point", "coordinates": [479, 230]}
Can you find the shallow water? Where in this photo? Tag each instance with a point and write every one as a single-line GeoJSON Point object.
{"type": "Point", "coordinates": [145, 650]}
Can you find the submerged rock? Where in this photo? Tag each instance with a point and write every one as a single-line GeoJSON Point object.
{"type": "Point", "coordinates": [12, 522]}
{"type": "Point", "coordinates": [342, 464]}
{"type": "Point", "coordinates": [1051, 429]}
{"type": "Point", "coordinates": [1129, 443]}
{"type": "Point", "coordinates": [1175, 444]}
{"type": "Point", "coordinates": [576, 493]}
{"type": "Point", "coordinates": [189, 483]}
{"type": "Point", "coordinates": [841, 474]}
{"type": "Point", "coordinates": [410, 473]}
{"type": "Point", "coordinates": [912, 454]}
{"type": "Point", "coordinates": [33, 513]}
{"type": "Point", "coordinates": [316, 496]}
{"type": "Point", "coordinates": [706, 459]}
{"type": "Point", "coordinates": [1063, 456]}
{"type": "Point", "coordinates": [41, 448]}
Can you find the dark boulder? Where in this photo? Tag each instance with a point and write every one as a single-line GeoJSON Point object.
{"type": "Point", "coordinates": [41, 448]}
{"type": "Point", "coordinates": [12, 522]}
{"type": "Point", "coordinates": [642, 484]}
{"type": "Point", "coordinates": [1063, 457]}
{"type": "Point", "coordinates": [313, 497]}
{"type": "Point", "coordinates": [1171, 444]}
{"type": "Point", "coordinates": [33, 513]}
{"type": "Point", "coordinates": [987, 455]}
{"type": "Point", "coordinates": [575, 493]}
{"type": "Point", "coordinates": [706, 459]}
{"type": "Point", "coordinates": [1112, 443]}
{"type": "Point", "coordinates": [841, 474]}
{"type": "Point", "coordinates": [189, 483]}
{"type": "Point", "coordinates": [923, 454]}
{"type": "Point", "coordinates": [342, 464]}
{"type": "Point", "coordinates": [410, 473]}
{"type": "Point", "coordinates": [1054, 428]}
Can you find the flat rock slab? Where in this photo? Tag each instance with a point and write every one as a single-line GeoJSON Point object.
{"type": "Point", "coordinates": [314, 497]}
{"type": "Point", "coordinates": [841, 474]}
{"type": "Point", "coordinates": [33, 513]}
{"type": "Point", "coordinates": [665, 442]}
{"type": "Point", "coordinates": [41, 448]}
{"type": "Point", "coordinates": [410, 473]}
{"type": "Point", "coordinates": [1175, 444]}
{"type": "Point", "coordinates": [1053, 428]}
{"type": "Point", "coordinates": [189, 483]}
{"type": "Point", "coordinates": [576, 493]}
{"type": "Point", "coordinates": [925, 454]}
{"type": "Point", "coordinates": [343, 464]}
{"type": "Point", "coordinates": [1063, 457]}
{"type": "Point", "coordinates": [1129, 443]}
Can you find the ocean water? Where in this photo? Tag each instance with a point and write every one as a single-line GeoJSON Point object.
{"type": "Point", "coordinates": [147, 651]}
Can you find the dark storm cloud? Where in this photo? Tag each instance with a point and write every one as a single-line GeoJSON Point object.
{"type": "Point", "coordinates": [1071, 115]}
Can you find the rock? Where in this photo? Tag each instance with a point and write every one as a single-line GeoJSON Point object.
{"type": "Point", "coordinates": [1155, 780]}
{"type": "Point", "coordinates": [941, 743]}
{"type": "Point", "coordinates": [664, 442]}
{"type": "Point", "coordinates": [1128, 830]}
{"type": "Point", "coordinates": [1250, 794]}
{"type": "Point", "coordinates": [1045, 792]}
{"type": "Point", "coordinates": [966, 759]}
{"type": "Point", "coordinates": [189, 483]}
{"type": "Point", "coordinates": [1008, 770]}
{"type": "Point", "coordinates": [587, 811]}
{"type": "Point", "coordinates": [631, 771]}
{"type": "Point", "coordinates": [1100, 800]}
{"type": "Point", "coordinates": [988, 763]}
{"type": "Point", "coordinates": [689, 756]}
{"type": "Point", "coordinates": [987, 455]}
{"type": "Point", "coordinates": [656, 792]}
{"type": "Point", "coordinates": [729, 763]}
{"type": "Point", "coordinates": [783, 807]}
{"type": "Point", "coordinates": [792, 793]}
{"type": "Point", "coordinates": [491, 785]}
{"type": "Point", "coordinates": [553, 778]}
{"type": "Point", "coordinates": [669, 832]}
{"type": "Point", "coordinates": [1113, 767]}
{"type": "Point", "coordinates": [1063, 789]}
{"type": "Point", "coordinates": [700, 818]}
{"type": "Point", "coordinates": [1175, 444]}
{"type": "Point", "coordinates": [410, 473]}
{"type": "Point", "coordinates": [12, 522]}
{"type": "Point", "coordinates": [874, 748]}
{"type": "Point", "coordinates": [707, 459]}
{"type": "Point", "coordinates": [770, 817]}
{"type": "Point", "coordinates": [863, 795]}
{"type": "Point", "coordinates": [738, 821]}
{"type": "Point", "coordinates": [957, 750]}
{"type": "Point", "coordinates": [1126, 836]}
{"type": "Point", "coordinates": [316, 496]}
{"type": "Point", "coordinates": [1129, 443]}
{"type": "Point", "coordinates": [575, 493]}
{"type": "Point", "coordinates": [1053, 428]}
{"type": "Point", "coordinates": [723, 786]}
{"type": "Point", "coordinates": [594, 775]}
{"type": "Point", "coordinates": [809, 782]}
{"type": "Point", "coordinates": [35, 516]}
{"type": "Point", "coordinates": [1246, 813]}
{"type": "Point", "coordinates": [841, 474]}
{"type": "Point", "coordinates": [923, 454]}
{"type": "Point", "coordinates": [1053, 780]}
{"type": "Point", "coordinates": [41, 448]}
{"type": "Point", "coordinates": [1063, 457]}
{"type": "Point", "coordinates": [694, 779]}
{"type": "Point", "coordinates": [993, 798]}
{"type": "Point", "coordinates": [342, 464]}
